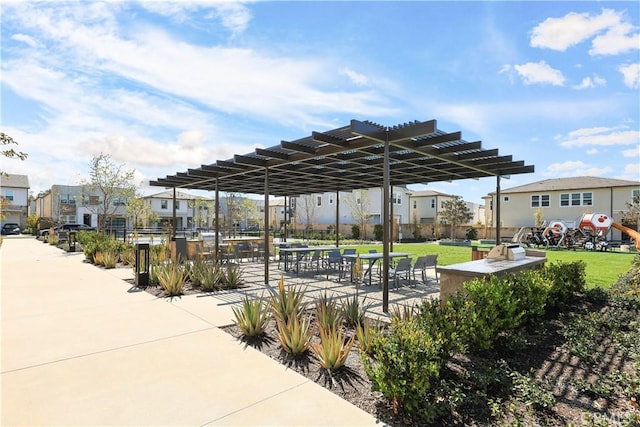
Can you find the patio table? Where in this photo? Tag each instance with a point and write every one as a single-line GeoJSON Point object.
{"type": "Point", "coordinates": [300, 253]}
{"type": "Point", "coordinates": [372, 258]}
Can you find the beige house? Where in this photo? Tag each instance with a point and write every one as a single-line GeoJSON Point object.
{"type": "Point", "coordinates": [14, 191]}
{"type": "Point", "coordinates": [563, 199]}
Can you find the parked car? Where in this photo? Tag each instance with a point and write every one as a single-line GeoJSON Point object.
{"type": "Point", "coordinates": [10, 228]}
{"type": "Point", "coordinates": [44, 233]}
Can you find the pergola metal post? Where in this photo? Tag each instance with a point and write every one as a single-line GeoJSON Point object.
{"type": "Point", "coordinates": [266, 225]}
{"type": "Point", "coordinates": [392, 221]}
{"type": "Point", "coordinates": [386, 181]}
{"type": "Point", "coordinates": [337, 218]}
{"type": "Point", "coordinates": [174, 215]}
{"type": "Point", "coordinates": [217, 229]}
{"type": "Point", "coordinates": [286, 216]}
{"type": "Point", "coordinates": [497, 210]}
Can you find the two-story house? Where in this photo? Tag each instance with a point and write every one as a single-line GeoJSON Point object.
{"type": "Point", "coordinates": [563, 199]}
{"type": "Point", "coordinates": [192, 212]}
{"type": "Point", "coordinates": [14, 191]}
{"type": "Point", "coordinates": [63, 204]}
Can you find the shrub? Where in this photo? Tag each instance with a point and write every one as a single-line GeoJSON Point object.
{"type": "Point", "coordinates": [566, 279]}
{"type": "Point", "coordinates": [378, 231]}
{"type": "Point", "coordinates": [355, 231]}
{"type": "Point", "coordinates": [171, 277]}
{"type": "Point", "coordinates": [332, 351]}
{"type": "Point", "coordinates": [252, 317]}
{"type": "Point", "coordinates": [107, 258]}
{"type": "Point", "coordinates": [404, 366]}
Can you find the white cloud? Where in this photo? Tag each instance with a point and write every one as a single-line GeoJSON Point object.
{"type": "Point", "coordinates": [599, 136]}
{"type": "Point", "coordinates": [24, 38]}
{"type": "Point", "coordinates": [615, 41]}
{"type": "Point", "coordinates": [357, 78]}
{"type": "Point", "coordinates": [631, 74]}
{"type": "Point", "coordinates": [233, 15]}
{"type": "Point", "coordinates": [571, 29]}
{"type": "Point", "coordinates": [591, 82]}
{"type": "Point", "coordinates": [633, 152]}
{"type": "Point", "coordinates": [574, 168]}
{"type": "Point", "coordinates": [592, 151]}
{"type": "Point", "coordinates": [539, 73]}
{"type": "Point", "coordinates": [632, 172]}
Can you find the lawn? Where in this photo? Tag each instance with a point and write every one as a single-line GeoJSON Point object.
{"type": "Point", "coordinates": [603, 268]}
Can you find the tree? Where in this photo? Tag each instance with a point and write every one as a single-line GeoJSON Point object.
{"type": "Point", "coordinates": [358, 202]}
{"type": "Point", "coordinates": [306, 210]}
{"type": "Point", "coordinates": [538, 217]}
{"type": "Point", "coordinates": [140, 210]}
{"type": "Point", "coordinates": [454, 212]}
{"type": "Point", "coordinates": [632, 214]}
{"type": "Point", "coordinates": [112, 183]}
{"type": "Point", "coordinates": [202, 211]}
{"type": "Point", "coordinates": [10, 152]}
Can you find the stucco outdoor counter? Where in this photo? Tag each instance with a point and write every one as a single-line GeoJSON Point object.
{"type": "Point", "coordinates": [452, 277]}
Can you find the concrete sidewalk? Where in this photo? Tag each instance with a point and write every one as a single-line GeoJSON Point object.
{"type": "Point", "coordinates": [81, 347]}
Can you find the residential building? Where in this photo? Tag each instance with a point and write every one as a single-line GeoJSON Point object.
{"type": "Point", "coordinates": [563, 199]}
{"type": "Point", "coordinates": [191, 211]}
{"type": "Point", "coordinates": [63, 204]}
{"type": "Point", "coordinates": [14, 190]}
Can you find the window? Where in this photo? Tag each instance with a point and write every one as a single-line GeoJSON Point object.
{"type": "Point", "coordinates": [177, 205]}
{"type": "Point", "coordinates": [163, 204]}
{"type": "Point", "coordinates": [8, 194]}
{"type": "Point", "coordinates": [319, 201]}
{"type": "Point", "coordinates": [539, 200]}
{"type": "Point", "coordinates": [505, 199]}
{"type": "Point", "coordinates": [330, 200]}
{"type": "Point", "coordinates": [67, 199]}
{"type": "Point", "coordinates": [119, 202]}
{"type": "Point", "coordinates": [358, 202]}
{"type": "Point", "coordinates": [442, 204]}
{"type": "Point", "coordinates": [433, 203]}
{"type": "Point", "coordinates": [415, 204]}
{"type": "Point", "coordinates": [397, 198]}
{"type": "Point", "coordinates": [576, 199]}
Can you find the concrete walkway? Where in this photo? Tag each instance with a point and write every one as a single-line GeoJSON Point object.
{"type": "Point", "coordinates": [81, 347]}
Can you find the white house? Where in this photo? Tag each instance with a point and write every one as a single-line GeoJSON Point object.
{"type": "Point", "coordinates": [191, 211]}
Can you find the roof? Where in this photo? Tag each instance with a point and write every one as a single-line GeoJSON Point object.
{"type": "Point", "coordinates": [350, 158]}
{"type": "Point", "coordinates": [428, 193]}
{"type": "Point", "coordinates": [179, 196]}
{"type": "Point", "coordinates": [15, 181]}
{"type": "Point", "coordinates": [575, 183]}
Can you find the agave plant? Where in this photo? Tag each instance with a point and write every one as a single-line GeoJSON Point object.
{"type": "Point", "coordinates": [109, 258]}
{"type": "Point", "coordinates": [403, 312]}
{"type": "Point", "coordinates": [366, 332]}
{"type": "Point", "coordinates": [211, 277]}
{"type": "Point", "coordinates": [328, 315]}
{"type": "Point", "coordinates": [231, 276]}
{"type": "Point", "coordinates": [352, 311]}
{"type": "Point", "coordinates": [286, 303]}
{"type": "Point", "coordinates": [171, 277]}
{"type": "Point", "coordinates": [252, 317]}
{"type": "Point", "coordinates": [332, 351]}
{"type": "Point", "coordinates": [294, 335]}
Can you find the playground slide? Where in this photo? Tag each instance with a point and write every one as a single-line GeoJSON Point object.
{"type": "Point", "coordinates": [632, 233]}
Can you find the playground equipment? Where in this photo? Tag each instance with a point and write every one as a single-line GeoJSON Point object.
{"type": "Point", "coordinates": [589, 234]}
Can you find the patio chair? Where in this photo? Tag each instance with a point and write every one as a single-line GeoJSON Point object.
{"type": "Point", "coordinates": [348, 262]}
{"type": "Point", "coordinates": [431, 261]}
{"type": "Point", "coordinates": [258, 251]}
{"type": "Point", "coordinates": [333, 261]}
{"type": "Point", "coordinates": [242, 250]}
{"type": "Point", "coordinates": [402, 270]}
{"type": "Point", "coordinates": [309, 263]}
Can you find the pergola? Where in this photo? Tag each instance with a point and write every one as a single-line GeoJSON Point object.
{"type": "Point", "coordinates": [360, 155]}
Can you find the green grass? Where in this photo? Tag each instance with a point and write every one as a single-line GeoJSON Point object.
{"type": "Point", "coordinates": [603, 268]}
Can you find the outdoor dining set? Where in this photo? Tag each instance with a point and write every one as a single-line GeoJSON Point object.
{"type": "Point", "coordinates": [364, 267]}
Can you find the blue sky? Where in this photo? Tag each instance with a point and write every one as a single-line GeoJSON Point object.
{"type": "Point", "coordinates": [167, 86]}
